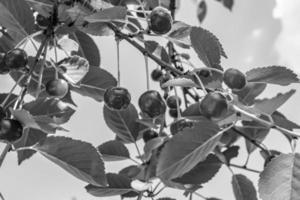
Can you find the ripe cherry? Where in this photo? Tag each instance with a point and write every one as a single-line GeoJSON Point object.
{"type": "Point", "coordinates": [16, 59]}
{"type": "Point", "coordinates": [172, 101]}
{"type": "Point", "coordinates": [149, 135]}
{"type": "Point", "coordinates": [152, 103]}
{"type": "Point", "coordinates": [117, 98]}
{"type": "Point", "coordinates": [156, 75]}
{"type": "Point", "coordinates": [204, 73]}
{"type": "Point", "coordinates": [179, 125]}
{"type": "Point", "coordinates": [234, 79]}
{"type": "Point", "coordinates": [57, 88]}
{"type": "Point", "coordinates": [2, 113]}
{"type": "Point", "coordinates": [42, 21]}
{"type": "Point", "coordinates": [3, 68]}
{"type": "Point", "coordinates": [173, 113]}
{"type": "Point", "coordinates": [214, 105]}
{"type": "Point", "coordinates": [10, 130]}
{"type": "Point", "coordinates": [160, 20]}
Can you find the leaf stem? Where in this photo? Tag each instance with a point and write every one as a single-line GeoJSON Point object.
{"type": "Point", "coordinates": [118, 61]}
{"type": "Point", "coordinates": [200, 82]}
{"type": "Point", "coordinates": [4, 153]}
{"type": "Point", "coordinates": [147, 72]}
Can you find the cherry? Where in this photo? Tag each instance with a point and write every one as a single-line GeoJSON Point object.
{"type": "Point", "coordinates": [214, 104]}
{"type": "Point", "coordinates": [160, 20]}
{"type": "Point", "coordinates": [16, 59]}
{"type": "Point", "coordinates": [2, 113]}
{"type": "Point", "coordinates": [57, 88]}
{"type": "Point", "coordinates": [152, 103]}
{"type": "Point", "coordinates": [42, 21]}
{"type": "Point", "coordinates": [3, 68]}
{"type": "Point", "coordinates": [234, 79]}
{"type": "Point", "coordinates": [10, 130]}
{"type": "Point", "coordinates": [179, 125]}
{"type": "Point", "coordinates": [117, 98]}
{"type": "Point", "coordinates": [173, 113]}
{"type": "Point", "coordinates": [172, 101]}
{"type": "Point", "coordinates": [149, 135]}
{"type": "Point", "coordinates": [204, 73]}
{"type": "Point", "coordinates": [156, 75]}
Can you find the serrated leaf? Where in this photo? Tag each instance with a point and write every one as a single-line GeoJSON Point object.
{"type": "Point", "coordinates": [201, 11]}
{"type": "Point", "coordinates": [243, 188]}
{"type": "Point", "coordinates": [131, 171]}
{"type": "Point", "coordinates": [95, 82]}
{"type": "Point", "coordinates": [280, 178]}
{"type": "Point", "coordinates": [187, 148]}
{"type": "Point", "coordinates": [118, 184]}
{"type": "Point", "coordinates": [29, 138]}
{"type": "Point", "coordinates": [113, 151]}
{"type": "Point", "coordinates": [182, 82]}
{"type": "Point", "coordinates": [116, 13]}
{"type": "Point", "coordinates": [207, 46]}
{"type": "Point", "coordinates": [274, 75]}
{"type": "Point", "coordinates": [269, 106]}
{"type": "Point", "coordinates": [88, 48]}
{"type": "Point", "coordinates": [123, 123]}
{"type": "Point", "coordinates": [248, 94]}
{"type": "Point", "coordinates": [17, 18]}
{"type": "Point", "coordinates": [180, 34]}
{"type": "Point", "coordinates": [79, 158]}
{"type": "Point", "coordinates": [282, 121]}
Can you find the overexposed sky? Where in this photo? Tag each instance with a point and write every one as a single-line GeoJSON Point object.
{"type": "Point", "coordinates": [251, 37]}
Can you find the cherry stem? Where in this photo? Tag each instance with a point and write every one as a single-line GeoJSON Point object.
{"type": "Point", "coordinates": [200, 82]}
{"type": "Point", "coordinates": [118, 61]}
{"type": "Point", "coordinates": [144, 51]}
{"type": "Point", "coordinates": [147, 72]}
{"type": "Point", "coordinates": [191, 196]}
{"type": "Point", "coordinates": [1, 197]}
{"type": "Point", "coordinates": [55, 53]}
{"type": "Point", "coordinates": [4, 153]}
{"type": "Point", "coordinates": [140, 196]}
{"type": "Point", "coordinates": [177, 103]}
{"type": "Point", "coordinates": [199, 195]}
{"type": "Point", "coordinates": [244, 168]}
{"type": "Point", "coordinates": [41, 72]}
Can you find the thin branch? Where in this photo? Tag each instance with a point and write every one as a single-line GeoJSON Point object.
{"type": "Point", "coordinates": [245, 168]}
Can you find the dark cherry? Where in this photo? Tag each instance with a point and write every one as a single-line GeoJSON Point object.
{"type": "Point", "coordinates": [214, 105]}
{"type": "Point", "coordinates": [149, 135]}
{"type": "Point", "coordinates": [10, 130]}
{"type": "Point", "coordinates": [172, 101]}
{"type": "Point", "coordinates": [156, 75]}
{"type": "Point", "coordinates": [16, 59]}
{"type": "Point", "coordinates": [57, 88]}
{"type": "Point", "coordinates": [160, 20]}
{"type": "Point", "coordinates": [173, 113]}
{"type": "Point", "coordinates": [42, 21]}
{"type": "Point", "coordinates": [152, 104]}
{"type": "Point", "coordinates": [234, 79]}
{"type": "Point", "coordinates": [117, 98]}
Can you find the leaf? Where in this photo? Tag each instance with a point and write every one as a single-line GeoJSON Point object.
{"type": "Point", "coordinates": [95, 82]}
{"type": "Point", "coordinates": [269, 106]}
{"type": "Point", "coordinates": [201, 11]}
{"type": "Point", "coordinates": [202, 172]}
{"type": "Point", "coordinates": [180, 34]}
{"type": "Point", "coordinates": [152, 145]}
{"type": "Point", "coordinates": [248, 94]}
{"type": "Point", "coordinates": [282, 121]}
{"type": "Point", "coordinates": [123, 123]}
{"type": "Point", "coordinates": [187, 148]}
{"type": "Point", "coordinates": [280, 178]}
{"type": "Point", "coordinates": [131, 171]}
{"type": "Point", "coordinates": [17, 18]}
{"type": "Point", "coordinates": [154, 48]}
{"type": "Point", "coordinates": [192, 110]}
{"type": "Point", "coordinates": [79, 158]}
{"type": "Point", "coordinates": [67, 44]}
{"type": "Point", "coordinates": [228, 4]}
{"type": "Point", "coordinates": [182, 82]}
{"type": "Point", "coordinates": [113, 151]}
{"type": "Point", "coordinates": [87, 48]}
{"type": "Point", "coordinates": [116, 13]}
{"type": "Point", "coordinates": [118, 184]}
{"type": "Point", "coordinates": [243, 188]}
{"type": "Point", "coordinates": [166, 198]}
{"type": "Point", "coordinates": [207, 46]}
{"type": "Point", "coordinates": [274, 75]}
{"type": "Point", "coordinates": [29, 138]}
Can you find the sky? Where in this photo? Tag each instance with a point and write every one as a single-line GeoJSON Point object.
{"type": "Point", "coordinates": [256, 33]}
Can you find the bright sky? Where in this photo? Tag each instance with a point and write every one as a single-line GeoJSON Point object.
{"type": "Point", "coordinates": [251, 37]}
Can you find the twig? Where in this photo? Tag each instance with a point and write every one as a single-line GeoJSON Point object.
{"type": "Point", "coordinates": [244, 168]}
{"type": "Point", "coordinates": [147, 72]}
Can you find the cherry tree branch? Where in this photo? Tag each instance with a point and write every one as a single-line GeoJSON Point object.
{"type": "Point", "coordinates": [244, 168]}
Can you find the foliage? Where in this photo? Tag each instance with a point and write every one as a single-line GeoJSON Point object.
{"type": "Point", "coordinates": [184, 154]}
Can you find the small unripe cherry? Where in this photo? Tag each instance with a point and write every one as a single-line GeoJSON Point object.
{"type": "Point", "coordinates": [117, 98]}
{"type": "Point", "coordinates": [234, 79]}
{"type": "Point", "coordinates": [10, 130]}
{"type": "Point", "coordinates": [151, 103]}
{"type": "Point", "coordinates": [160, 20]}
{"type": "Point", "coordinates": [156, 75]}
{"type": "Point", "coordinates": [16, 59]}
{"type": "Point", "coordinates": [57, 88]}
{"type": "Point", "coordinates": [172, 101]}
{"type": "Point", "coordinates": [213, 105]}
{"type": "Point", "coordinates": [149, 135]}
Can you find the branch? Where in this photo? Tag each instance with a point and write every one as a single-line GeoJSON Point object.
{"type": "Point", "coordinates": [245, 168]}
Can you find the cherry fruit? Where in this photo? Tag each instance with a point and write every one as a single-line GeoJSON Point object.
{"type": "Point", "coordinates": [42, 21]}
{"type": "Point", "coordinates": [10, 130]}
{"type": "Point", "coordinates": [3, 68]}
{"type": "Point", "coordinates": [149, 135]}
{"type": "Point", "coordinates": [214, 105]}
{"type": "Point", "coordinates": [234, 79]}
{"type": "Point", "coordinates": [156, 75]}
{"type": "Point", "coordinates": [16, 59]}
{"type": "Point", "coordinates": [117, 98]}
{"type": "Point", "coordinates": [173, 113]}
{"type": "Point", "coordinates": [152, 103]}
{"type": "Point", "coordinates": [57, 88]}
{"type": "Point", "coordinates": [160, 20]}
{"type": "Point", "coordinates": [172, 101]}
